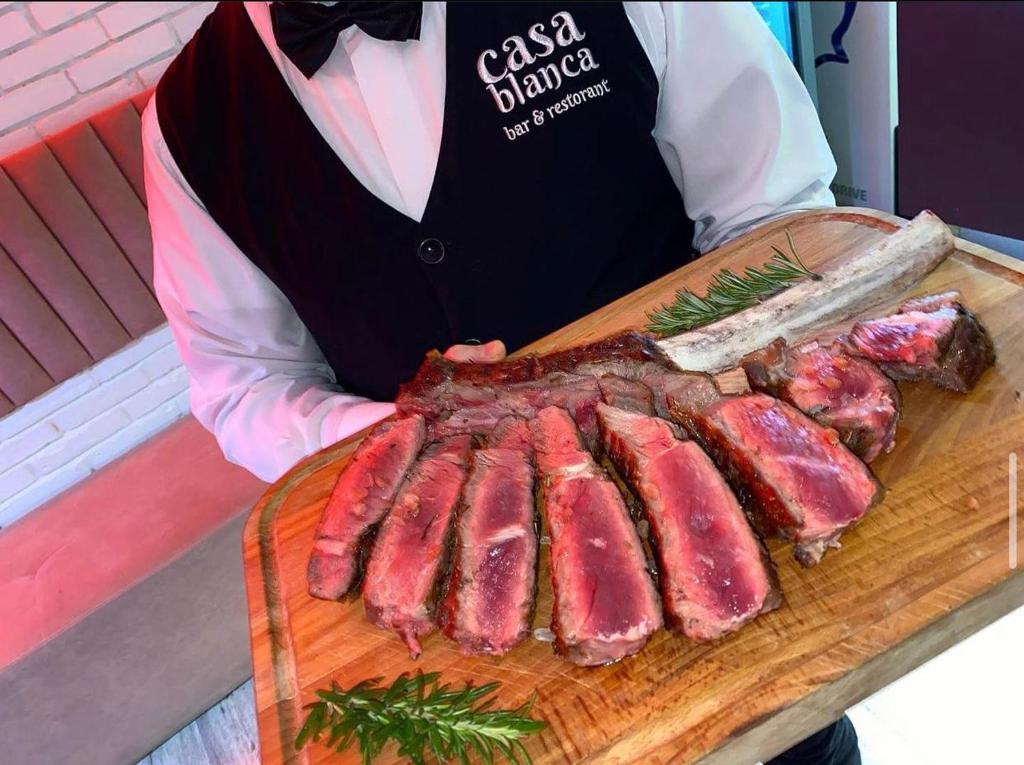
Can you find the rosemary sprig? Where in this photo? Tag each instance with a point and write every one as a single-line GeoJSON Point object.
{"type": "Point", "coordinates": [421, 716]}
{"type": "Point", "coordinates": [729, 293]}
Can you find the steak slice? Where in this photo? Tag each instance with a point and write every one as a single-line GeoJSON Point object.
{"type": "Point", "coordinates": [512, 433]}
{"type": "Point", "coordinates": [361, 497]}
{"type": "Point", "coordinates": [488, 605]}
{"type": "Point", "coordinates": [408, 558]}
{"type": "Point", "coordinates": [928, 303]}
{"type": "Point", "coordinates": [467, 409]}
{"type": "Point", "coordinates": [440, 380]}
{"type": "Point", "coordinates": [849, 394]}
{"type": "Point", "coordinates": [715, 573]}
{"type": "Point", "coordinates": [554, 432]}
{"type": "Point", "coordinates": [473, 420]}
{"type": "Point", "coordinates": [796, 477]}
{"type": "Point", "coordinates": [623, 393]}
{"type": "Point", "coordinates": [579, 397]}
{"type": "Point", "coordinates": [605, 604]}
{"type": "Point", "coordinates": [931, 338]}
{"type": "Point", "coordinates": [683, 390]}
{"type": "Point", "coordinates": [629, 348]}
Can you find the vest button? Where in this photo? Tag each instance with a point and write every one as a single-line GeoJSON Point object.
{"type": "Point", "coordinates": [431, 251]}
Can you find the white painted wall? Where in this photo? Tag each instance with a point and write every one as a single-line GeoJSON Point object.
{"type": "Point", "coordinates": [857, 101]}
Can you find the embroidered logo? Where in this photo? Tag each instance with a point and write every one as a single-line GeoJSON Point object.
{"type": "Point", "coordinates": [548, 58]}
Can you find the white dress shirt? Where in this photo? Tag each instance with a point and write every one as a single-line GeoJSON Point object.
{"type": "Point", "coordinates": [735, 126]}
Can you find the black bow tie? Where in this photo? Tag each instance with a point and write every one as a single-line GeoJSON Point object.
{"type": "Point", "coordinates": [306, 32]}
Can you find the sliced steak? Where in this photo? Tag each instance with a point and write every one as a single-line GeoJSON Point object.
{"type": "Point", "coordinates": [623, 393]}
{"type": "Point", "coordinates": [474, 421]}
{"type": "Point", "coordinates": [512, 433]}
{"type": "Point", "coordinates": [683, 390]}
{"type": "Point", "coordinates": [629, 369]}
{"type": "Point", "coordinates": [554, 432]}
{"type": "Point", "coordinates": [360, 499]}
{"type": "Point", "coordinates": [715, 573]}
{"type": "Point", "coordinates": [442, 385]}
{"type": "Point", "coordinates": [629, 348]}
{"type": "Point", "coordinates": [605, 604]}
{"type": "Point", "coordinates": [408, 557]}
{"type": "Point", "coordinates": [848, 394]}
{"type": "Point", "coordinates": [796, 477]}
{"type": "Point", "coordinates": [931, 338]}
{"type": "Point", "coordinates": [488, 604]}
{"type": "Point", "coordinates": [579, 397]}
{"type": "Point", "coordinates": [928, 303]}
{"type": "Point", "coordinates": [479, 411]}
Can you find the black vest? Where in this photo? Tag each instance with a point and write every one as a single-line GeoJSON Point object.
{"type": "Point", "coordinates": [550, 197]}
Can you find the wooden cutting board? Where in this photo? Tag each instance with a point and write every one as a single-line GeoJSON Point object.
{"type": "Point", "coordinates": [927, 568]}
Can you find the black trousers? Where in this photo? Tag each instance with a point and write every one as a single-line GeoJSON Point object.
{"type": "Point", "coordinates": [833, 745]}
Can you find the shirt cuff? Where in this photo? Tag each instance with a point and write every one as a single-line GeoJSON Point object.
{"type": "Point", "coordinates": [345, 421]}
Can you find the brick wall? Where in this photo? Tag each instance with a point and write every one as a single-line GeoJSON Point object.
{"type": "Point", "coordinates": [60, 62]}
{"type": "Point", "coordinates": [79, 426]}
{"type": "Point", "coordinates": [63, 61]}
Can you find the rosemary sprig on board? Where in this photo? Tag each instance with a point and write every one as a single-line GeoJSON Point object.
{"type": "Point", "coordinates": [729, 293]}
{"type": "Point", "coordinates": [423, 717]}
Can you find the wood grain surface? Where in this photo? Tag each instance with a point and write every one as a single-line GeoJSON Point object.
{"type": "Point", "coordinates": [927, 568]}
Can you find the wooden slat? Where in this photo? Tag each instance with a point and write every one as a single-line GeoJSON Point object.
{"type": "Point", "coordinates": [61, 206]}
{"type": "Point", "coordinates": [225, 733]}
{"type": "Point", "coordinates": [21, 378]}
{"type": "Point", "coordinates": [36, 325]}
{"type": "Point", "coordinates": [120, 130]}
{"type": "Point", "coordinates": [89, 165]}
{"type": "Point", "coordinates": [6, 405]}
{"type": "Point", "coordinates": [40, 256]}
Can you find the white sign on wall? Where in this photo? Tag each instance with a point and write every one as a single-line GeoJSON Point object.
{"type": "Point", "coordinates": [855, 67]}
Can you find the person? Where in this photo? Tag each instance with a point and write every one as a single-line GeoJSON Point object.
{"type": "Point", "coordinates": [335, 189]}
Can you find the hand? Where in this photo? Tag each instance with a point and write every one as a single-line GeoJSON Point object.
{"type": "Point", "coordinates": [488, 352]}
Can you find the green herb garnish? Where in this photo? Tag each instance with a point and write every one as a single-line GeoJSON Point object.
{"type": "Point", "coordinates": [421, 716]}
{"type": "Point", "coordinates": [729, 293]}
